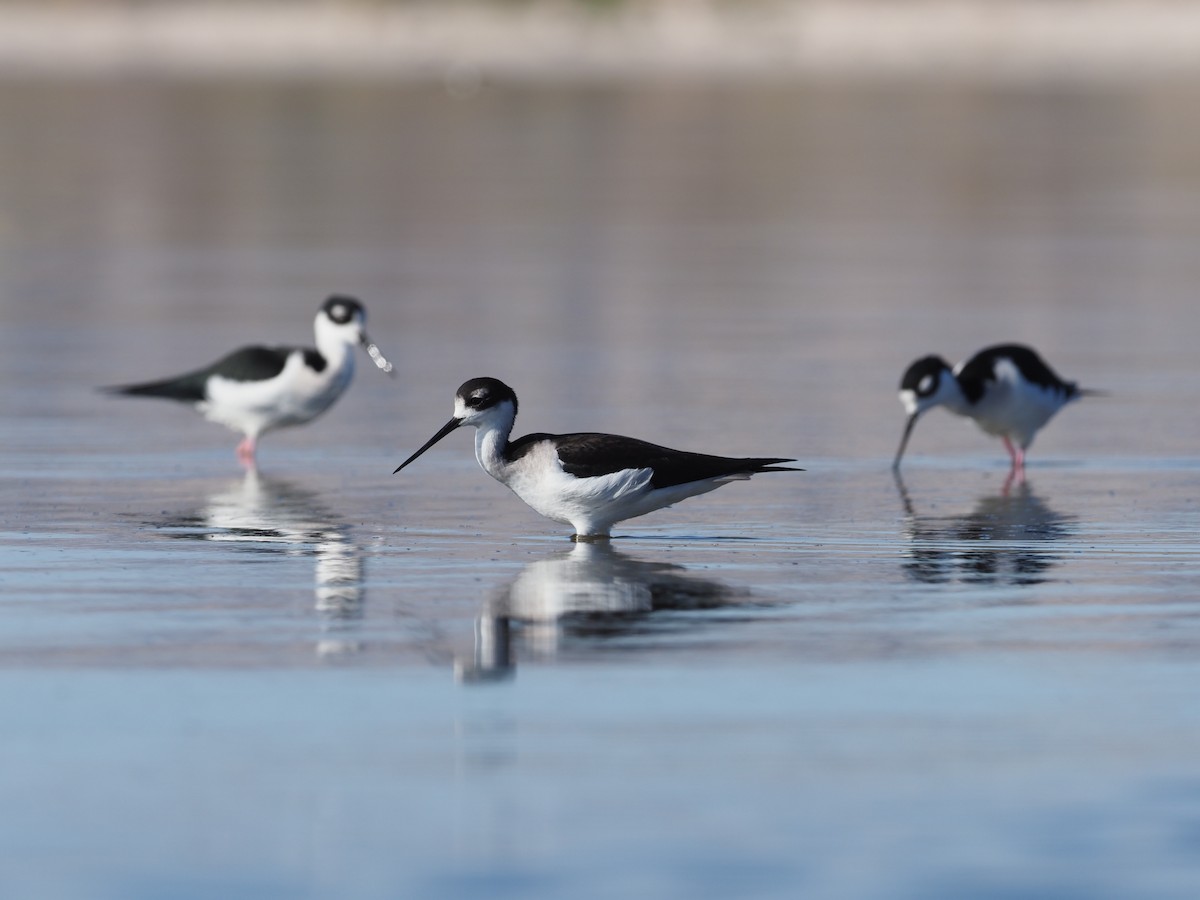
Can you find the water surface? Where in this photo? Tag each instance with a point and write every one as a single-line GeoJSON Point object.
{"type": "Point", "coordinates": [320, 678]}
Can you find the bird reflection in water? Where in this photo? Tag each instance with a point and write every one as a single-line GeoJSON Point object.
{"type": "Point", "coordinates": [272, 515]}
{"type": "Point", "coordinates": [591, 591]}
{"type": "Point", "coordinates": [1005, 539]}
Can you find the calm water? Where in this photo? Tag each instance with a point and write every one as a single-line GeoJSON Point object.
{"type": "Point", "coordinates": [324, 680]}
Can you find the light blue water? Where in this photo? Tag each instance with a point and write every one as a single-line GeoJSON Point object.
{"type": "Point", "coordinates": [976, 777]}
{"type": "Point", "coordinates": [322, 679]}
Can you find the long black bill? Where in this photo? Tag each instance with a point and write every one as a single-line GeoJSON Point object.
{"type": "Point", "coordinates": [377, 357]}
{"type": "Point", "coordinates": [908, 428]}
{"type": "Point", "coordinates": [446, 429]}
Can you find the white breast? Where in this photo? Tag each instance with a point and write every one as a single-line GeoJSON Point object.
{"type": "Point", "coordinates": [1012, 406]}
{"type": "Point", "coordinates": [296, 395]}
{"type": "Point", "coordinates": [538, 478]}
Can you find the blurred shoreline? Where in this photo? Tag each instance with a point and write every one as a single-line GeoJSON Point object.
{"type": "Point", "coordinates": [464, 42]}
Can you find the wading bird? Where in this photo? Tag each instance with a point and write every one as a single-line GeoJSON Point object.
{"type": "Point", "coordinates": [1008, 390]}
{"type": "Point", "coordinates": [258, 389]}
{"type": "Point", "coordinates": [588, 481]}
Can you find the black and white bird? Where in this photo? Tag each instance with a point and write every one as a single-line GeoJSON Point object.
{"type": "Point", "coordinates": [258, 389]}
{"type": "Point", "coordinates": [1008, 390]}
{"type": "Point", "coordinates": [588, 481]}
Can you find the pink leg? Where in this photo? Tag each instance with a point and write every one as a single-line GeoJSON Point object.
{"type": "Point", "coordinates": [1015, 476]}
{"type": "Point", "coordinates": [245, 451]}
{"type": "Point", "coordinates": [1015, 453]}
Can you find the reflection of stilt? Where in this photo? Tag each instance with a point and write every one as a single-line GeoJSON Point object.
{"type": "Point", "coordinates": [905, 498]}
{"type": "Point", "coordinates": [493, 659]}
{"type": "Point", "coordinates": [340, 593]}
{"type": "Point", "coordinates": [1006, 538]}
{"type": "Point", "coordinates": [275, 516]}
{"type": "Point", "coordinates": [591, 590]}
{"type": "Point", "coordinates": [339, 573]}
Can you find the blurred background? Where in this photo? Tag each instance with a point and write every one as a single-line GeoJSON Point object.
{"type": "Point", "coordinates": [724, 226]}
{"type": "Point", "coordinates": [457, 39]}
{"type": "Point", "coordinates": [635, 196]}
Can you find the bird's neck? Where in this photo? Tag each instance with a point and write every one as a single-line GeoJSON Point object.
{"type": "Point", "coordinates": [955, 400]}
{"type": "Point", "coordinates": [491, 444]}
{"type": "Point", "coordinates": [339, 361]}
{"type": "Point", "coordinates": [332, 345]}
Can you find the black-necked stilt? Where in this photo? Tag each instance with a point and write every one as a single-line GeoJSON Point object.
{"type": "Point", "coordinates": [257, 389]}
{"type": "Point", "coordinates": [1008, 390]}
{"type": "Point", "coordinates": [588, 481]}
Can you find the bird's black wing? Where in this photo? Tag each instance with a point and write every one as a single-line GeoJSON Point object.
{"type": "Point", "coordinates": [981, 368]}
{"type": "Point", "coordinates": [588, 455]}
{"type": "Point", "coordinates": [246, 364]}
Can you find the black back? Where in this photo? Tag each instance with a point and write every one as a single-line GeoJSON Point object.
{"type": "Point", "coordinates": [981, 368]}
{"type": "Point", "coordinates": [246, 364]}
{"type": "Point", "coordinates": [587, 455]}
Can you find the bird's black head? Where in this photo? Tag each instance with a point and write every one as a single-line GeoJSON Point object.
{"type": "Point", "coordinates": [341, 309]}
{"type": "Point", "coordinates": [471, 404]}
{"type": "Point", "coordinates": [924, 376]}
{"type": "Point", "coordinates": [926, 383]}
{"type": "Point", "coordinates": [479, 394]}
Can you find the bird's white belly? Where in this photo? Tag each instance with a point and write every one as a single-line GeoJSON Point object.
{"type": "Point", "coordinates": [1015, 410]}
{"type": "Point", "coordinates": [591, 505]}
{"type": "Point", "coordinates": [294, 396]}
{"type": "Point", "coordinates": [564, 498]}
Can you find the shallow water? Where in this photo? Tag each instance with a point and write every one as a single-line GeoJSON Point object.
{"type": "Point", "coordinates": [321, 678]}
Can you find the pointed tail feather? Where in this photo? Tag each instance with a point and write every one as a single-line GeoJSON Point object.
{"type": "Point", "coordinates": [771, 465]}
{"type": "Point", "coordinates": [184, 390]}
